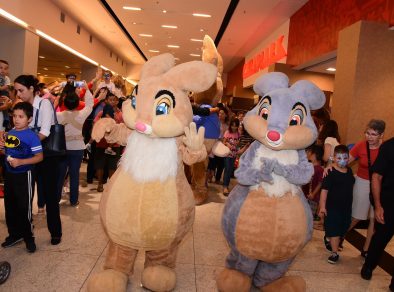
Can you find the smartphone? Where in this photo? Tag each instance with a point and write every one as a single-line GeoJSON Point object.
{"type": "Point", "coordinates": [78, 83]}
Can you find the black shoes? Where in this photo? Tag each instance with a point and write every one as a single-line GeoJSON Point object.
{"type": "Point", "coordinates": [366, 273]}
{"type": "Point", "coordinates": [56, 240]}
{"type": "Point", "coordinates": [75, 204]}
{"type": "Point", "coordinates": [327, 243]}
{"type": "Point", "coordinates": [30, 246]}
{"type": "Point", "coordinates": [11, 241]}
{"type": "Point", "coordinates": [333, 258]}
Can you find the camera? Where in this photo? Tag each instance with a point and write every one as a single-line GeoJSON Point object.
{"type": "Point", "coordinates": [78, 83]}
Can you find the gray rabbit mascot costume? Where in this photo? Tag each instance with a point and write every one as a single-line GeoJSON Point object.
{"type": "Point", "coordinates": [266, 219]}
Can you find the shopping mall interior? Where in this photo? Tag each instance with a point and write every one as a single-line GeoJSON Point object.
{"type": "Point", "coordinates": [343, 47]}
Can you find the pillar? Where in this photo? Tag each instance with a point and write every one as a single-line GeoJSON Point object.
{"type": "Point", "coordinates": [363, 86]}
{"type": "Point", "coordinates": [20, 50]}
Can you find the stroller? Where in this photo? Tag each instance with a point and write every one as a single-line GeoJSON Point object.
{"type": "Point", "coordinates": [5, 270]}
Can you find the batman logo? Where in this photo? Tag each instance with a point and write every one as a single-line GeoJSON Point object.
{"type": "Point", "coordinates": [12, 141]}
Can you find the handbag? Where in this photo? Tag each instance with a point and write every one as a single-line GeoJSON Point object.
{"type": "Point", "coordinates": [220, 150]}
{"type": "Point", "coordinates": [370, 176]}
{"type": "Point", "coordinates": [55, 143]}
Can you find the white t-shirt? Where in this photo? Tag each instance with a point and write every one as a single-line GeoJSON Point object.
{"type": "Point", "coordinates": [333, 142]}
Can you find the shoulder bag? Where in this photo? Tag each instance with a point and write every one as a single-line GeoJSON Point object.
{"type": "Point", "coordinates": [55, 143]}
{"type": "Point", "coordinates": [370, 176]}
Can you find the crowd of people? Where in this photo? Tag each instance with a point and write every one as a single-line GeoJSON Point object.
{"type": "Point", "coordinates": [28, 110]}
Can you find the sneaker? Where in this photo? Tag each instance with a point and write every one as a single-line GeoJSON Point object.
{"type": "Point", "coordinates": [75, 204]}
{"type": "Point", "coordinates": [56, 240]}
{"type": "Point", "coordinates": [333, 258]}
{"type": "Point", "coordinates": [10, 241]}
{"type": "Point", "coordinates": [100, 188]}
{"type": "Point", "coordinates": [327, 243]}
{"type": "Point", "coordinates": [31, 246]}
{"type": "Point", "coordinates": [366, 273]}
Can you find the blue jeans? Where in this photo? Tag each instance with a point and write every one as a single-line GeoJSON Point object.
{"type": "Point", "coordinates": [72, 163]}
{"type": "Point", "coordinates": [228, 170]}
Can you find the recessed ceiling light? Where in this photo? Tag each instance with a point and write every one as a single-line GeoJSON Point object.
{"type": "Point", "coordinates": [176, 59]}
{"type": "Point", "coordinates": [62, 74]}
{"type": "Point", "coordinates": [196, 40]}
{"type": "Point", "coordinates": [173, 46]}
{"type": "Point", "coordinates": [46, 69]}
{"type": "Point", "coordinates": [145, 35]}
{"type": "Point", "coordinates": [132, 8]}
{"type": "Point", "coordinates": [154, 51]}
{"type": "Point", "coordinates": [331, 69]}
{"type": "Point", "coordinates": [45, 75]}
{"type": "Point", "coordinates": [169, 26]}
{"type": "Point", "coordinates": [134, 22]}
{"type": "Point", "coordinates": [195, 55]}
{"type": "Point", "coordinates": [164, 11]}
{"type": "Point", "coordinates": [67, 67]}
{"type": "Point", "coordinates": [201, 29]}
{"type": "Point", "coordinates": [38, 73]}
{"type": "Point", "coordinates": [41, 57]}
{"type": "Point", "coordinates": [201, 15]}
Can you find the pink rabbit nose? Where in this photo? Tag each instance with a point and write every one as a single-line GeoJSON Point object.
{"type": "Point", "coordinates": [273, 135]}
{"type": "Point", "coordinates": [140, 127]}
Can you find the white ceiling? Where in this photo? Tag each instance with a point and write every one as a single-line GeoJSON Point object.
{"type": "Point", "coordinates": [252, 21]}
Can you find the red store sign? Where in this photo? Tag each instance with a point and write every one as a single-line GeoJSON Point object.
{"type": "Point", "coordinates": [269, 55]}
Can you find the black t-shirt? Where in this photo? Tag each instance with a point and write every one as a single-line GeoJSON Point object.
{"type": "Point", "coordinates": [384, 165]}
{"type": "Point", "coordinates": [340, 190]}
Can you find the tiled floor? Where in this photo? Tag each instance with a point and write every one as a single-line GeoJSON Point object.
{"type": "Point", "coordinates": [67, 267]}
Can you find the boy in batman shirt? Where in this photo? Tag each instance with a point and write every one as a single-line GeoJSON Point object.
{"type": "Point", "coordinates": [22, 150]}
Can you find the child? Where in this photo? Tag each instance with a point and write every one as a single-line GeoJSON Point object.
{"type": "Point", "coordinates": [107, 155]}
{"type": "Point", "coordinates": [231, 140]}
{"type": "Point", "coordinates": [312, 189]}
{"type": "Point", "coordinates": [4, 93]}
{"type": "Point", "coordinates": [23, 150]}
{"type": "Point", "coordinates": [109, 112]}
{"type": "Point", "coordinates": [336, 200]}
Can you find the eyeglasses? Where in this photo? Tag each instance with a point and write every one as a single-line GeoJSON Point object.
{"type": "Point", "coordinates": [372, 134]}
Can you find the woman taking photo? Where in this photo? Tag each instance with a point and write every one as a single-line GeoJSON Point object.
{"type": "Point", "coordinates": [47, 171]}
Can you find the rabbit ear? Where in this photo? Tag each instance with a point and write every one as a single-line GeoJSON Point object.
{"type": "Point", "coordinates": [269, 82]}
{"type": "Point", "coordinates": [157, 65]}
{"type": "Point", "coordinates": [210, 54]}
{"type": "Point", "coordinates": [310, 92]}
{"type": "Point", "coordinates": [195, 76]}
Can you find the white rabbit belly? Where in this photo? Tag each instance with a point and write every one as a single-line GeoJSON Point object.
{"type": "Point", "coordinates": [279, 185]}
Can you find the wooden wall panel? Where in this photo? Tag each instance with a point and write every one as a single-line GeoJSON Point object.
{"type": "Point", "coordinates": [314, 28]}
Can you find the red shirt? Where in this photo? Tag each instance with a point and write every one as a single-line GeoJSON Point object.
{"type": "Point", "coordinates": [359, 151]}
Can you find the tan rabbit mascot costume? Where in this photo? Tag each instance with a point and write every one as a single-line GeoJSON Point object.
{"type": "Point", "coordinates": [148, 204]}
{"type": "Point", "coordinates": [211, 97]}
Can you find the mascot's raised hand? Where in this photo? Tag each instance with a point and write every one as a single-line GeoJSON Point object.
{"type": "Point", "coordinates": [148, 204]}
{"type": "Point", "coordinates": [194, 140]}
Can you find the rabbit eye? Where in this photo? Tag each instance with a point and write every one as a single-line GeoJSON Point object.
{"type": "Point", "coordinates": [163, 108]}
{"type": "Point", "coordinates": [297, 115]}
{"type": "Point", "coordinates": [133, 101]}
